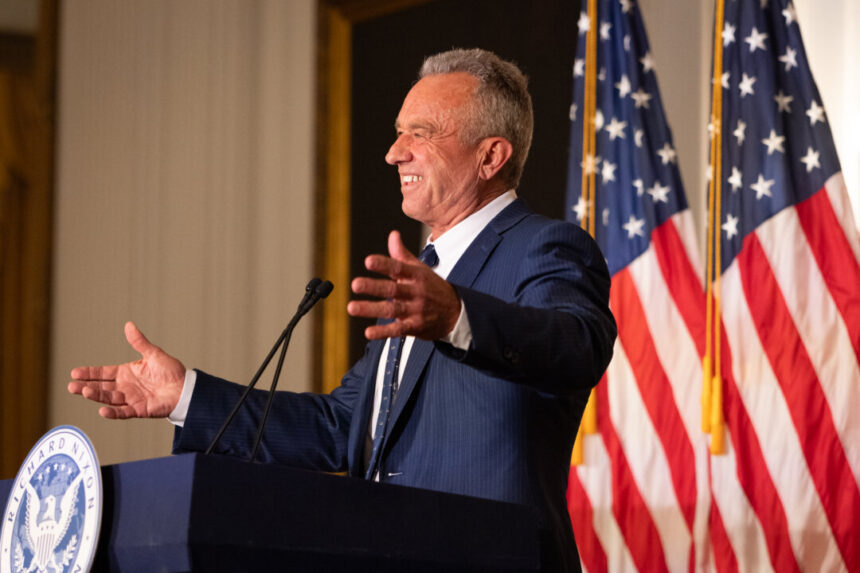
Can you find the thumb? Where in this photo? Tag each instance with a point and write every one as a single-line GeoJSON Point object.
{"type": "Point", "coordinates": [138, 341]}
{"type": "Point", "coordinates": [398, 250]}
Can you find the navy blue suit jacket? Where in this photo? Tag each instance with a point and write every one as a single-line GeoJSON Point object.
{"type": "Point", "coordinates": [497, 421]}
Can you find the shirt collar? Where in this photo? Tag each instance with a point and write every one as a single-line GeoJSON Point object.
{"type": "Point", "coordinates": [454, 242]}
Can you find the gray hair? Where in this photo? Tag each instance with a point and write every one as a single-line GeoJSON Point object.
{"type": "Point", "coordinates": [500, 107]}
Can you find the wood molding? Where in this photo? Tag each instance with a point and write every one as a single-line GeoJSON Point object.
{"type": "Point", "coordinates": [27, 128]}
{"type": "Point", "coordinates": [336, 19]}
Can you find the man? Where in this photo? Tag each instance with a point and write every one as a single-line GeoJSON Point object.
{"type": "Point", "coordinates": [476, 376]}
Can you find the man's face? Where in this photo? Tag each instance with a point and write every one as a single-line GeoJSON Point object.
{"type": "Point", "coordinates": [438, 173]}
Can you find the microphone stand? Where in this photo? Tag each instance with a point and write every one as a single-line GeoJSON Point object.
{"type": "Point", "coordinates": [314, 291]}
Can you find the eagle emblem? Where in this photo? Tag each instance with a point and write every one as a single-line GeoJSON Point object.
{"type": "Point", "coordinates": [53, 514]}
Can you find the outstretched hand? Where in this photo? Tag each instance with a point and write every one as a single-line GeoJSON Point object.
{"type": "Point", "coordinates": [146, 388]}
{"type": "Point", "coordinates": [421, 303]}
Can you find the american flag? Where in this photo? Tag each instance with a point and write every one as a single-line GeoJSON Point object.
{"type": "Point", "coordinates": [785, 495]}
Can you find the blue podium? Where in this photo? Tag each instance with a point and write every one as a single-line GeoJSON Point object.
{"type": "Point", "coordinates": [210, 513]}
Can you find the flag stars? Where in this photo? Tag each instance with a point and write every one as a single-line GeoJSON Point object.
{"type": "Point", "coordinates": [616, 129]}
{"type": "Point", "coordinates": [572, 112]}
{"type": "Point", "coordinates": [578, 68]}
{"type": "Point", "coordinates": [789, 58]}
{"type": "Point", "coordinates": [774, 142]}
{"type": "Point", "coordinates": [728, 34]}
{"type": "Point", "coordinates": [590, 163]}
{"type": "Point", "coordinates": [605, 27]}
{"type": "Point", "coordinates": [756, 40]}
{"type": "Point", "coordinates": [641, 98]}
{"type": "Point", "coordinates": [627, 42]}
{"type": "Point", "coordinates": [736, 179]}
{"type": "Point", "coordinates": [731, 226]}
{"type": "Point", "coordinates": [659, 193]}
{"type": "Point", "coordinates": [623, 86]}
{"type": "Point", "coordinates": [810, 160]}
{"type": "Point", "coordinates": [581, 208]}
{"type": "Point", "coordinates": [639, 186]}
{"type": "Point", "coordinates": [598, 120]}
{"type": "Point", "coordinates": [783, 101]}
{"type": "Point", "coordinates": [746, 85]}
{"type": "Point", "coordinates": [647, 62]}
{"type": "Point", "coordinates": [815, 113]}
{"type": "Point", "coordinates": [584, 23]}
{"type": "Point", "coordinates": [637, 137]}
{"type": "Point", "coordinates": [790, 15]}
{"type": "Point", "coordinates": [608, 171]}
{"type": "Point", "coordinates": [667, 154]}
{"type": "Point", "coordinates": [634, 227]}
{"type": "Point", "coordinates": [740, 132]}
{"type": "Point", "coordinates": [724, 80]}
{"type": "Point", "coordinates": [713, 127]}
{"type": "Point", "coordinates": [762, 187]}
{"type": "Point", "coordinates": [626, 5]}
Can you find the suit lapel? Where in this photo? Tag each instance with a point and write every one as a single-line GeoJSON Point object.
{"type": "Point", "coordinates": [464, 273]}
{"type": "Point", "coordinates": [473, 260]}
{"type": "Point", "coordinates": [362, 413]}
{"type": "Point", "coordinates": [418, 358]}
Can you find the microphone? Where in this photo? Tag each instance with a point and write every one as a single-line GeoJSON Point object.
{"type": "Point", "coordinates": [315, 290]}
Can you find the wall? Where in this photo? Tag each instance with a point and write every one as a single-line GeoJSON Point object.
{"type": "Point", "coordinates": [185, 176]}
{"type": "Point", "coordinates": [680, 37]}
{"type": "Point", "coordinates": [183, 193]}
{"type": "Point", "coordinates": [832, 44]}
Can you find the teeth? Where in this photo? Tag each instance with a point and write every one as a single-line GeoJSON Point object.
{"type": "Point", "coordinates": [412, 178]}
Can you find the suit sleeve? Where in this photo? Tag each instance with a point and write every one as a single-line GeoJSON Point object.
{"type": "Point", "coordinates": [303, 430]}
{"type": "Point", "coordinates": [552, 330]}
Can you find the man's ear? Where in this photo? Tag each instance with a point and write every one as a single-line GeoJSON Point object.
{"type": "Point", "coordinates": [493, 153]}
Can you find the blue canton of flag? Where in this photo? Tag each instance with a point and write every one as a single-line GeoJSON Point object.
{"type": "Point", "coordinates": [638, 182]}
{"type": "Point", "coordinates": [776, 143]}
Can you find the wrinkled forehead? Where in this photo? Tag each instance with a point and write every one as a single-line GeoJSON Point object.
{"type": "Point", "coordinates": [443, 97]}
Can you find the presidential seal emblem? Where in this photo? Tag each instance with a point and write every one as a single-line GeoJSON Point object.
{"type": "Point", "coordinates": [54, 512]}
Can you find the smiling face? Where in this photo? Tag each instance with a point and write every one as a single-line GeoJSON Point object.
{"type": "Point", "coordinates": [441, 177]}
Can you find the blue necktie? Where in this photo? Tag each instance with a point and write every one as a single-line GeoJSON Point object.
{"type": "Point", "coordinates": [390, 381]}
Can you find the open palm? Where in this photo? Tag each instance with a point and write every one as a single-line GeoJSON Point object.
{"type": "Point", "coordinates": [146, 388]}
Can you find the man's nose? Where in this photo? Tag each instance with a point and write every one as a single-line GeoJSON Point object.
{"type": "Point", "coordinates": [399, 151]}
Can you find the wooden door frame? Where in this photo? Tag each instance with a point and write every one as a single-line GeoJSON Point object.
{"type": "Point", "coordinates": [27, 134]}
{"type": "Point", "coordinates": [335, 20]}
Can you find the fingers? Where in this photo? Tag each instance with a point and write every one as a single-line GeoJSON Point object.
{"type": "Point", "coordinates": [391, 330]}
{"type": "Point", "coordinates": [378, 309]}
{"type": "Point", "coordinates": [138, 341]}
{"type": "Point", "coordinates": [381, 288]}
{"type": "Point", "coordinates": [389, 266]}
{"type": "Point", "coordinates": [102, 392]}
{"type": "Point", "coordinates": [95, 373]}
{"type": "Point", "coordinates": [398, 250]}
{"type": "Point", "coordinates": [117, 413]}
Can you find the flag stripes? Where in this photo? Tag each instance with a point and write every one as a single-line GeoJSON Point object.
{"type": "Point", "coordinates": [785, 502]}
{"type": "Point", "coordinates": [785, 495]}
{"type": "Point", "coordinates": [750, 543]}
{"type": "Point", "coordinates": [636, 523]}
{"type": "Point", "coordinates": [654, 388]}
{"type": "Point", "coordinates": [833, 255]}
{"type": "Point", "coordinates": [587, 541]}
{"type": "Point", "coordinates": [723, 556]}
{"type": "Point", "coordinates": [808, 408]}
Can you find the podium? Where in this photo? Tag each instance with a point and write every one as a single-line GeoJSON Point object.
{"type": "Point", "coordinates": [210, 513]}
